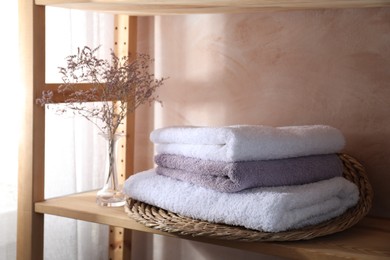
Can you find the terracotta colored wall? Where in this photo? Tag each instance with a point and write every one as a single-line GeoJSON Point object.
{"type": "Point", "coordinates": [280, 68]}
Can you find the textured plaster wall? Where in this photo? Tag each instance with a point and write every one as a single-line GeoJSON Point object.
{"type": "Point", "coordinates": [278, 68]}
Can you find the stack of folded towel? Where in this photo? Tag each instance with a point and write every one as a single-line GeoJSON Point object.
{"type": "Point", "coordinates": [260, 177]}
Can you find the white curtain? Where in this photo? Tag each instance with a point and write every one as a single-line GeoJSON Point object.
{"type": "Point", "coordinates": [9, 114]}
{"type": "Point", "coordinates": [74, 150]}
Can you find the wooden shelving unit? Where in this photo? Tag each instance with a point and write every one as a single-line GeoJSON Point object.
{"type": "Point", "coordinates": [370, 239]}
{"type": "Point", "coordinates": [367, 240]}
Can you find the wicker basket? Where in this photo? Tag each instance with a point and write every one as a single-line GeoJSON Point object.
{"type": "Point", "coordinates": [164, 220]}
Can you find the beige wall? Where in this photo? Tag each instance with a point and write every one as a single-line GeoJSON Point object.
{"type": "Point", "coordinates": [278, 68]}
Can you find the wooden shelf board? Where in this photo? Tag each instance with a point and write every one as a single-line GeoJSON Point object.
{"type": "Point", "coordinates": [82, 206]}
{"type": "Point", "coordinates": [370, 239]}
{"type": "Point", "coordinates": [160, 7]}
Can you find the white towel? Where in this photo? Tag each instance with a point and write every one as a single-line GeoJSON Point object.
{"type": "Point", "coordinates": [266, 209]}
{"type": "Point", "coordinates": [247, 142]}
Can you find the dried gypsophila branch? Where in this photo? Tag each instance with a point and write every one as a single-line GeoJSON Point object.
{"type": "Point", "coordinates": [120, 85]}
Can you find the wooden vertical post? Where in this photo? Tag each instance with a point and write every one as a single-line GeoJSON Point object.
{"type": "Point", "coordinates": [31, 147]}
{"type": "Point", "coordinates": [125, 45]}
{"type": "Point", "coordinates": [130, 128]}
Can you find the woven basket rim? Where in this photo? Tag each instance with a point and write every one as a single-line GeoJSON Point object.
{"type": "Point", "coordinates": [164, 220]}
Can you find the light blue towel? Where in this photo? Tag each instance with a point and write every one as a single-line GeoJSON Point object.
{"type": "Point", "coordinates": [272, 209]}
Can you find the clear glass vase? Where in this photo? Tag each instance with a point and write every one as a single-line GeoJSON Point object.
{"type": "Point", "coordinates": [111, 194]}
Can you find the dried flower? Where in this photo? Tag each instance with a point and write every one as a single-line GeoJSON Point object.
{"type": "Point", "coordinates": [120, 85]}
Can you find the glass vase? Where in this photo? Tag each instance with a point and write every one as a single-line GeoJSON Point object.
{"type": "Point", "coordinates": [111, 194]}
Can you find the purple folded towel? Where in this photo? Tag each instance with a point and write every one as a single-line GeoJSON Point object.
{"type": "Point", "coordinates": [236, 176]}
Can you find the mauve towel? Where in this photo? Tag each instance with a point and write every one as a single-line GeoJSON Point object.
{"type": "Point", "coordinates": [247, 142]}
{"type": "Point", "coordinates": [236, 176]}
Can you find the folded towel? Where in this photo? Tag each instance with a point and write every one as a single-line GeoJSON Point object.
{"type": "Point", "coordinates": [266, 209]}
{"type": "Point", "coordinates": [247, 142]}
{"type": "Point", "coordinates": [236, 176]}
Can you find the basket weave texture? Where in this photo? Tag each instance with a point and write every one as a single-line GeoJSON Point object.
{"type": "Point", "coordinates": [167, 221]}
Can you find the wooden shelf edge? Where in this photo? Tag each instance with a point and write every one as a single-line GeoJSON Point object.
{"type": "Point", "coordinates": [159, 7]}
{"type": "Point", "coordinates": [82, 206]}
{"type": "Point", "coordinates": [369, 239]}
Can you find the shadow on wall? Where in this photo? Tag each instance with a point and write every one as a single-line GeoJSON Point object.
{"type": "Point", "coordinates": [284, 68]}
{"type": "Point", "coordinates": [280, 68]}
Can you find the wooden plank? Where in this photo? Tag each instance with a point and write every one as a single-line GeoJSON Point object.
{"type": "Point", "coordinates": [129, 32]}
{"type": "Point", "coordinates": [131, 35]}
{"type": "Point", "coordinates": [61, 97]}
{"type": "Point", "coordinates": [83, 206]}
{"type": "Point", "coordinates": [160, 7]}
{"type": "Point", "coordinates": [115, 251]}
{"type": "Point", "coordinates": [31, 147]}
{"type": "Point", "coordinates": [125, 44]}
{"type": "Point", "coordinates": [367, 240]}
